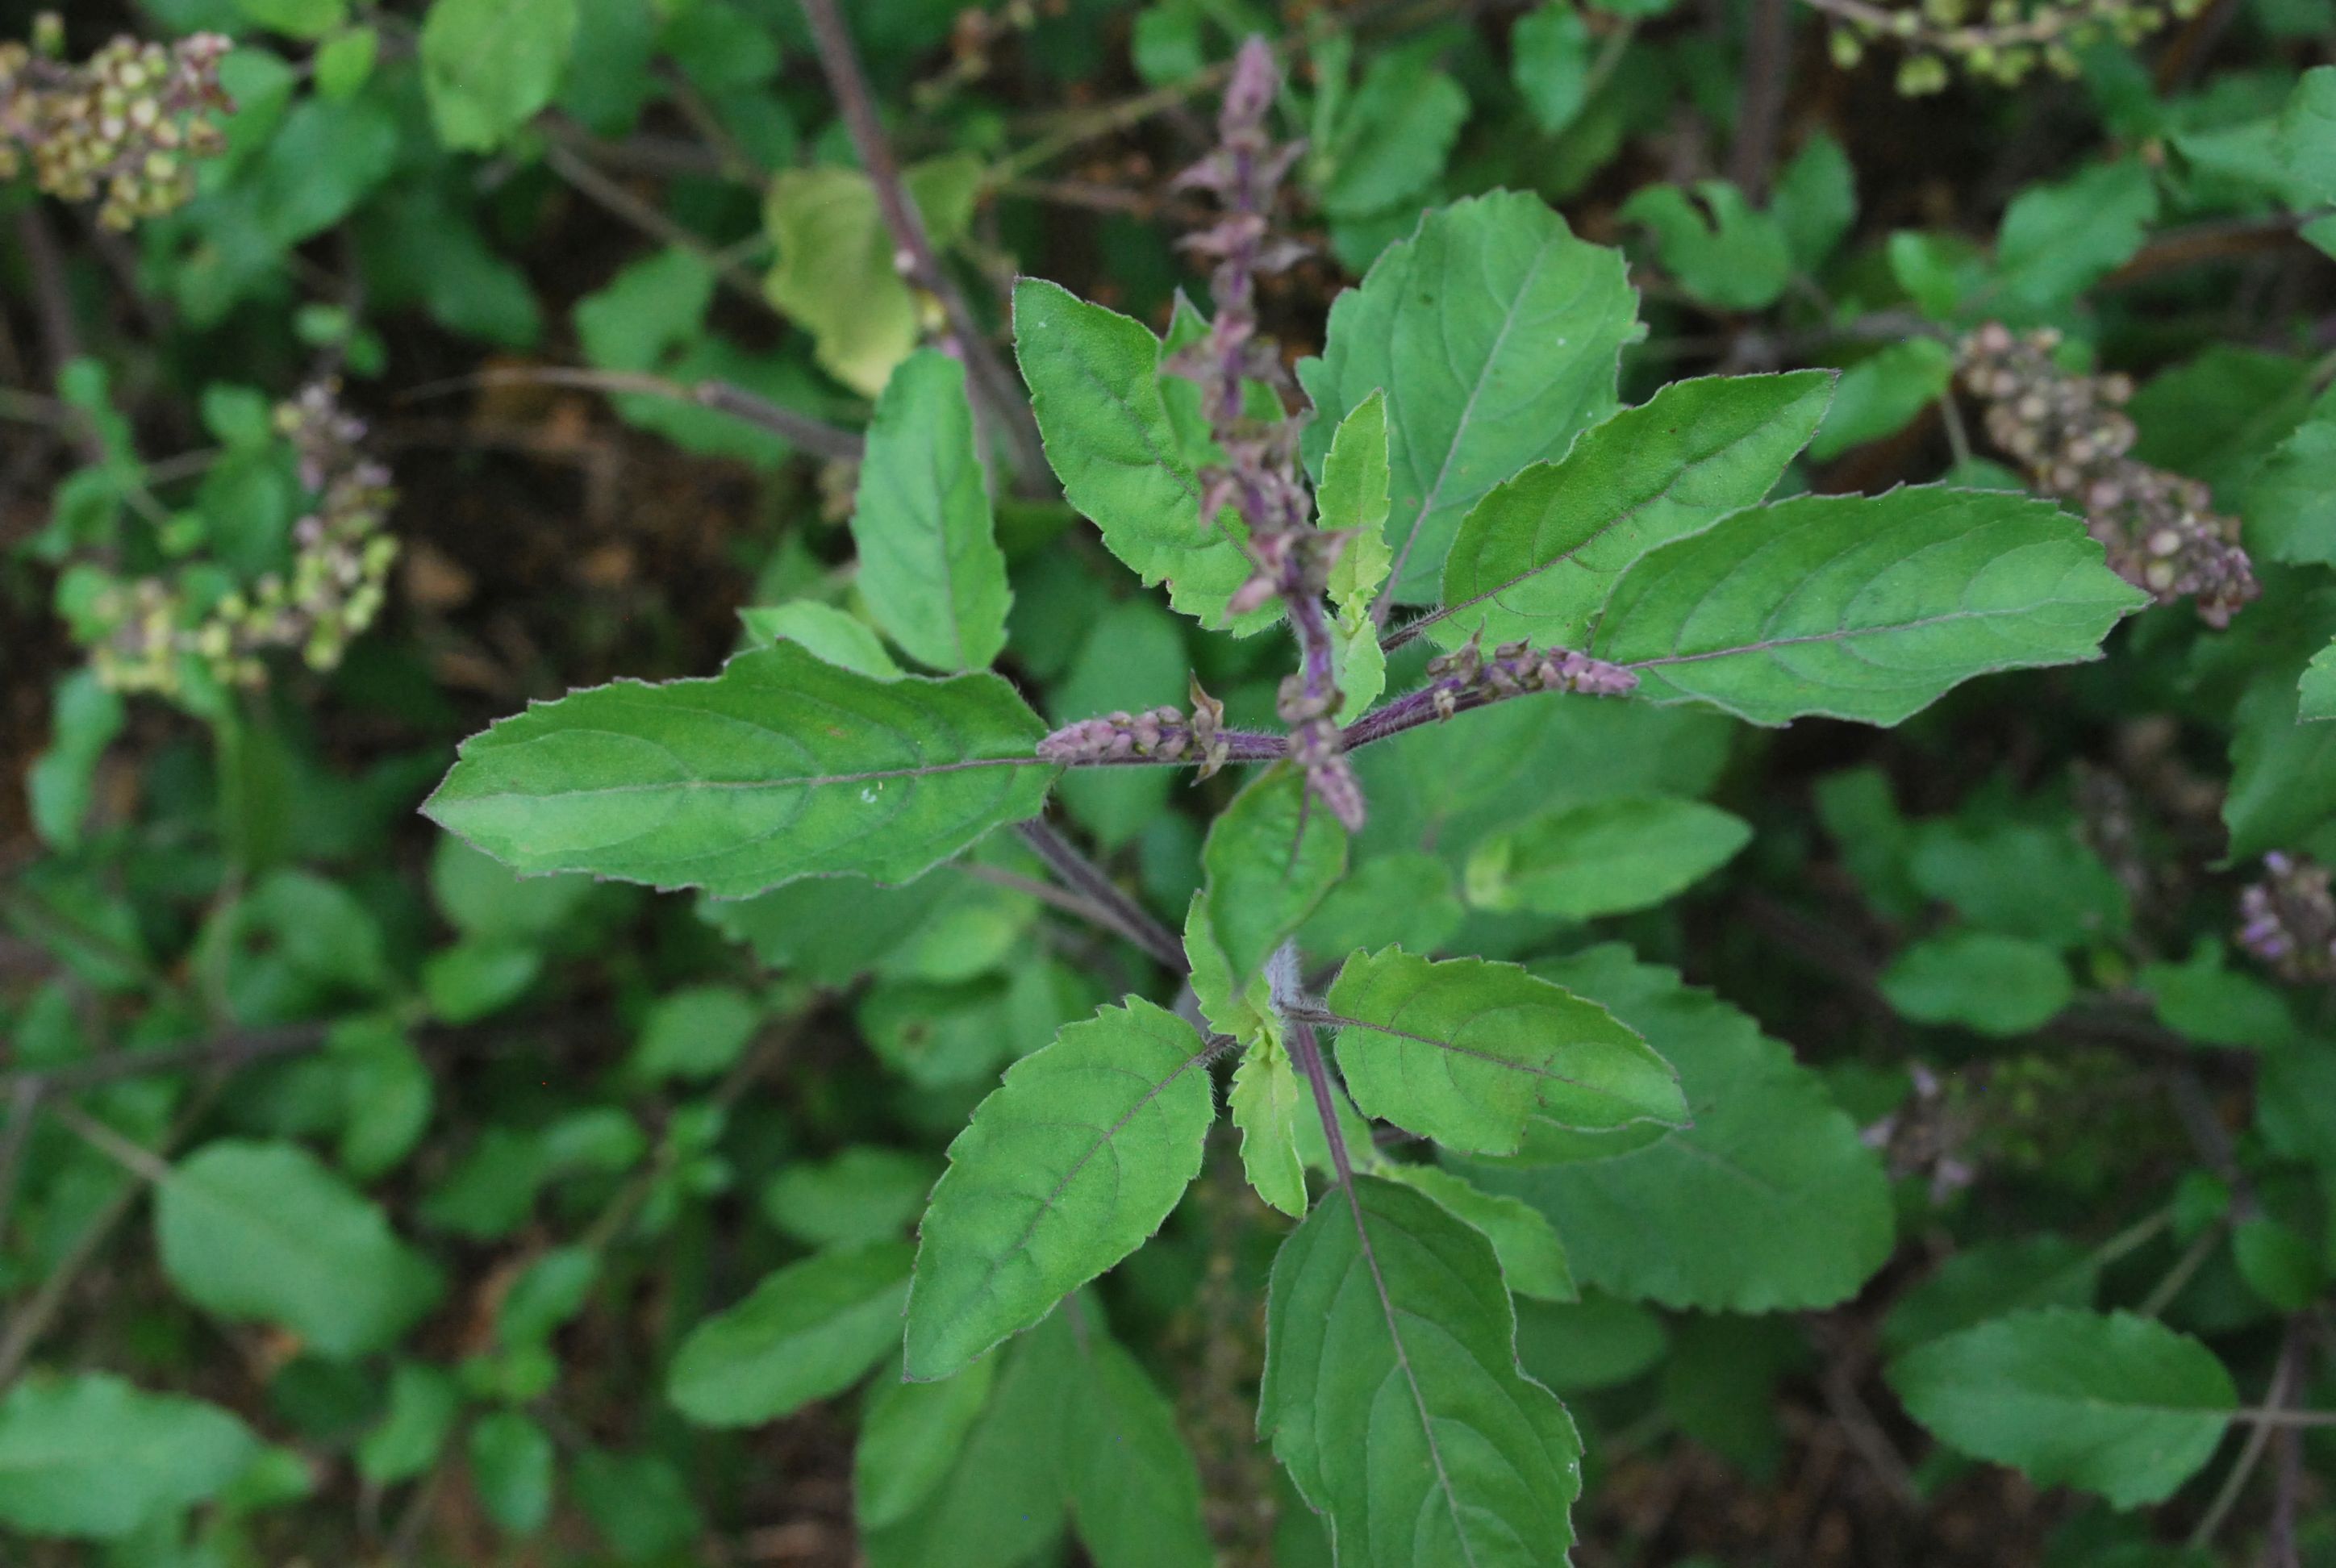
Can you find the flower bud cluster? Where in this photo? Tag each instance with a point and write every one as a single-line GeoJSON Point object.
{"type": "Point", "coordinates": [1998, 41]}
{"type": "Point", "coordinates": [2075, 441]}
{"type": "Point", "coordinates": [123, 128]}
{"type": "Point", "coordinates": [334, 589]}
{"type": "Point", "coordinates": [2287, 920]}
{"type": "Point", "coordinates": [1156, 735]}
{"type": "Point", "coordinates": [1465, 677]}
{"type": "Point", "coordinates": [1289, 558]}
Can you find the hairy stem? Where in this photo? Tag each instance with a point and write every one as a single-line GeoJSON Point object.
{"type": "Point", "coordinates": [1119, 912]}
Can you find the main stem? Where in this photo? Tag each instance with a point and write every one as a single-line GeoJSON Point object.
{"type": "Point", "coordinates": [919, 261]}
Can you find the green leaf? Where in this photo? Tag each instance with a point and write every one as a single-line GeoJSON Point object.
{"type": "Point", "coordinates": [2059, 240]}
{"type": "Point", "coordinates": [345, 63]}
{"type": "Point", "coordinates": [1605, 858]}
{"type": "Point", "coordinates": [423, 1404]}
{"type": "Point", "coordinates": [2115, 1404]}
{"type": "Point", "coordinates": [696, 1033]}
{"type": "Point", "coordinates": [2283, 769]}
{"type": "Point", "coordinates": [1734, 258]}
{"type": "Point", "coordinates": [1580, 1347]}
{"type": "Point", "coordinates": [1065, 1170]}
{"type": "Point", "coordinates": [1532, 1258]}
{"type": "Point", "coordinates": [2291, 498]}
{"type": "Point", "coordinates": [93, 1457]}
{"type": "Point", "coordinates": [910, 1435]}
{"type": "Point", "coordinates": [834, 271]}
{"type": "Point", "coordinates": [1715, 1215]}
{"type": "Point", "coordinates": [472, 981]}
{"type": "Point", "coordinates": [2278, 1264]}
{"type": "Point", "coordinates": [1466, 1052]}
{"type": "Point", "coordinates": [513, 1469]}
{"type": "Point", "coordinates": [1815, 200]}
{"type": "Point", "coordinates": [1548, 61]}
{"type": "Point", "coordinates": [1988, 1281]}
{"type": "Point", "coordinates": [809, 1332]}
{"type": "Point", "coordinates": [489, 65]}
{"type": "Point", "coordinates": [929, 565]}
{"type": "Point", "coordinates": [779, 767]}
{"type": "Point", "coordinates": [1496, 334]}
{"type": "Point", "coordinates": [2022, 879]}
{"type": "Point", "coordinates": [1095, 387]}
{"type": "Point", "coordinates": [994, 1496]}
{"type": "Point", "coordinates": [639, 1503]}
{"type": "Point", "coordinates": [84, 717]}
{"type": "Point", "coordinates": [305, 19]}
{"type": "Point", "coordinates": [2315, 693]}
{"type": "Point", "coordinates": [1269, 858]}
{"type": "Point", "coordinates": [862, 1193]}
{"type": "Point", "coordinates": [835, 637]}
{"type": "Point", "coordinates": [1538, 556]}
{"type": "Point", "coordinates": [1393, 1396]}
{"type": "Point", "coordinates": [1394, 136]}
{"type": "Point", "coordinates": [1995, 985]}
{"type": "Point", "coordinates": [265, 1231]}
{"type": "Point", "coordinates": [1134, 1488]}
{"type": "Point", "coordinates": [1880, 395]}
{"type": "Point", "coordinates": [546, 1294]}
{"type": "Point", "coordinates": [1862, 607]}
{"type": "Point", "coordinates": [1267, 1103]}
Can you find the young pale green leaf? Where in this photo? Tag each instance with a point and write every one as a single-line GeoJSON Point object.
{"type": "Point", "coordinates": [1466, 1052]}
{"type": "Point", "coordinates": [809, 1332]}
{"type": "Point", "coordinates": [1994, 984]}
{"type": "Point", "coordinates": [834, 272]}
{"type": "Point", "coordinates": [1065, 1169]}
{"type": "Point", "coordinates": [1135, 1489]}
{"type": "Point", "coordinates": [96, 1457]}
{"type": "Point", "coordinates": [1095, 387]}
{"type": "Point", "coordinates": [1537, 557]}
{"type": "Point", "coordinates": [781, 767]}
{"type": "Point", "coordinates": [1604, 858]}
{"type": "Point", "coordinates": [1496, 336]}
{"type": "Point", "coordinates": [929, 565]}
{"type": "Point", "coordinates": [1267, 1100]}
{"type": "Point", "coordinates": [1862, 607]}
{"type": "Point", "coordinates": [1532, 1259]}
{"type": "Point", "coordinates": [489, 65]}
{"type": "Point", "coordinates": [1269, 858]}
{"type": "Point", "coordinates": [836, 636]}
{"type": "Point", "coordinates": [1353, 495]}
{"type": "Point", "coordinates": [2115, 1404]}
{"type": "Point", "coordinates": [1393, 1396]}
{"type": "Point", "coordinates": [1715, 1215]}
{"type": "Point", "coordinates": [268, 1232]}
